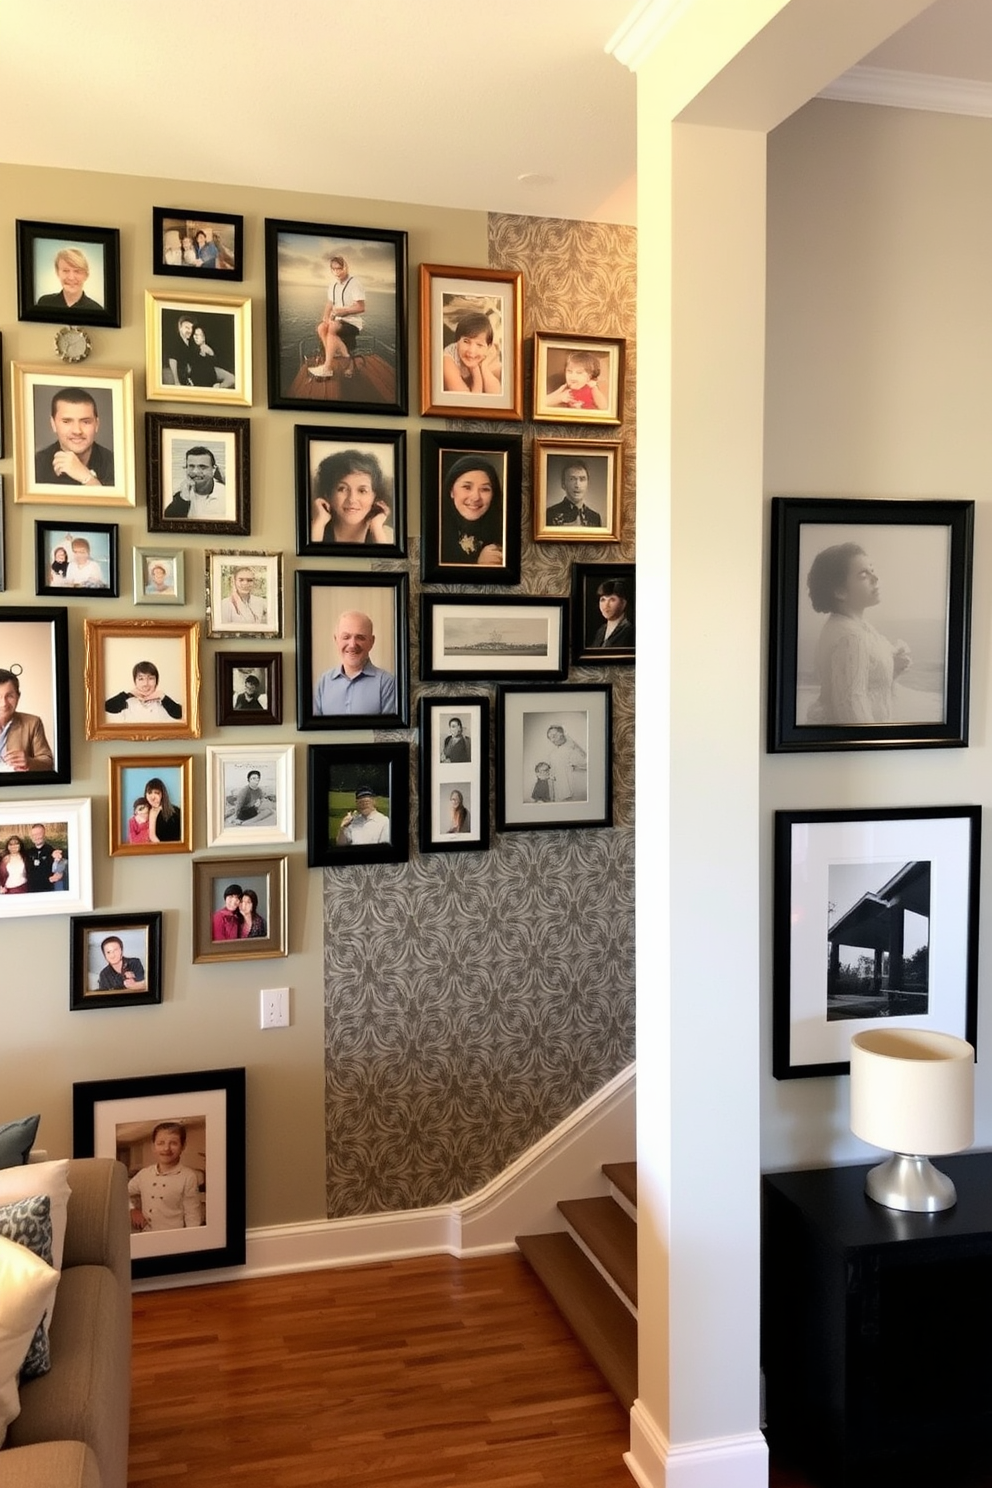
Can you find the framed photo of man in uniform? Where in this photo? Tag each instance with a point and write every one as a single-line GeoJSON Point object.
{"type": "Point", "coordinates": [199, 474]}
{"type": "Point", "coordinates": [73, 436]}
{"type": "Point", "coordinates": [577, 490]}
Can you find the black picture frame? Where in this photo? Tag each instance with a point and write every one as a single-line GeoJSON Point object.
{"type": "Point", "coordinates": [171, 226]}
{"type": "Point", "coordinates": [373, 378]}
{"type": "Point", "coordinates": [589, 620]}
{"type": "Point", "coordinates": [327, 455]}
{"type": "Point", "coordinates": [232, 670]}
{"type": "Point", "coordinates": [170, 440]}
{"type": "Point", "coordinates": [454, 758]}
{"type": "Point", "coordinates": [36, 640]}
{"type": "Point", "coordinates": [929, 547]}
{"type": "Point", "coordinates": [456, 548]}
{"type": "Point", "coordinates": [336, 774]}
{"type": "Point", "coordinates": [862, 873]}
{"type": "Point", "coordinates": [3, 539]}
{"type": "Point", "coordinates": [575, 790]}
{"type": "Point", "coordinates": [139, 937]}
{"type": "Point", "coordinates": [115, 1118]}
{"type": "Point", "coordinates": [39, 288]}
{"type": "Point", "coordinates": [78, 581]}
{"type": "Point", "coordinates": [487, 638]}
{"type": "Point", "coordinates": [321, 599]}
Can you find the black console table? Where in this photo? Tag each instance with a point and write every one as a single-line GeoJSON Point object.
{"type": "Point", "coordinates": [877, 1328]}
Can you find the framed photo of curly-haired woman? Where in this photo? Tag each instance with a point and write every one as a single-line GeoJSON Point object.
{"type": "Point", "coordinates": [350, 492]}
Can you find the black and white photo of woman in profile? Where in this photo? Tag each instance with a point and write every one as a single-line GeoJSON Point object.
{"type": "Point", "coordinates": [856, 664]}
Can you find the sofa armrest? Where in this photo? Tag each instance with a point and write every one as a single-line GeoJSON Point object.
{"type": "Point", "coordinates": [60, 1464]}
{"type": "Point", "coordinates": [98, 1230]}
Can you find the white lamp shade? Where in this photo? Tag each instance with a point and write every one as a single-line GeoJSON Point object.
{"type": "Point", "coordinates": [913, 1091]}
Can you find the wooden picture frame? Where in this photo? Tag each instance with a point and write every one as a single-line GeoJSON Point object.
{"type": "Point", "coordinates": [358, 804]}
{"type": "Point", "coordinates": [159, 576]}
{"type": "Point", "coordinates": [77, 564]}
{"type": "Point", "coordinates": [554, 757]}
{"type": "Point", "coordinates": [578, 486]}
{"type": "Point", "coordinates": [248, 688]}
{"type": "Point", "coordinates": [266, 878]}
{"type": "Point", "coordinates": [165, 783]}
{"type": "Point", "coordinates": [198, 348]}
{"type": "Point", "coordinates": [199, 474]}
{"type": "Point", "coordinates": [243, 594]}
{"type": "Point", "coordinates": [58, 259]}
{"type": "Point", "coordinates": [56, 841]}
{"type": "Point", "coordinates": [478, 312]}
{"type": "Point", "coordinates": [468, 637]}
{"type": "Point", "coordinates": [115, 652]}
{"type": "Point", "coordinates": [578, 379]}
{"type": "Point", "coordinates": [176, 249]}
{"type": "Point", "coordinates": [470, 507]}
{"type": "Point", "coordinates": [350, 481]}
{"type": "Point", "coordinates": [115, 960]}
{"type": "Point", "coordinates": [454, 774]}
{"type": "Point", "coordinates": [604, 595]}
{"type": "Point", "coordinates": [325, 699]}
{"type": "Point", "coordinates": [250, 795]}
{"type": "Point", "coordinates": [34, 652]}
{"type": "Point", "coordinates": [76, 449]}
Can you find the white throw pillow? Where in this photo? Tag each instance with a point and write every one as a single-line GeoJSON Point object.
{"type": "Point", "coordinates": [49, 1178]}
{"type": "Point", "coordinates": [27, 1288]}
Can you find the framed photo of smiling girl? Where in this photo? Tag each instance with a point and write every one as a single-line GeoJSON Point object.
{"type": "Point", "coordinates": [471, 350]}
{"type": "Point", "coordinates": [470, 508]}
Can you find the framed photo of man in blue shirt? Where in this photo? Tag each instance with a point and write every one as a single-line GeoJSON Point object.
{"type": "Point", "coordinates": [351, 658]}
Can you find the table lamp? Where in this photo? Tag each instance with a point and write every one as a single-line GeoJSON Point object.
{"type": "Point", "coordinates": [913, 1092]}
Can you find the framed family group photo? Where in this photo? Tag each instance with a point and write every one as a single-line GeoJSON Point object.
{"type": "Point", "coordinates": [46, 857]}
{"type": "Point", "coordinates": [248, 688]}
{"type": "Point", "coordinates": [80, 562]}
{"type": "Point", "coordinates": [34, 696]}
{"type": "Point", "coordinates": [350, 492]}
{"type": "Point", "coordinates": [336, 317]}
{"type": "Point", "coordinates": [142, 679]}
{"type": "Point", "coordinates": [554, 757]}
{"type": "Point", "coordinates": [351, 650]}
{"type": "Point", "coordinates": [198, 348]}
{"type": "Point", "coordinates": [870, 625]}
{"type": "Point", "coordinates": [470, 499]}
{"type": "Point", "coordinates": [190, 1126]}
{"type": "Point", "coordinates": [68, 274]}
{"type": "Point", "coordinates": [454, 774]}
{"type": "Point", "coordinates": [115, 960]}
{"type": "Point", "coordinates": [467, 638]}
{"type": "Point", "coordinates": [578, 379]}
{"type": "Point", "coordinates": [244, 594]}
{"type": "Point", "coordinates": [197, 245]}
{"type": "Point", "coordinates": [73, 436]}
{"type": "Point", "coordinates": [239, 908]}
{"type": "Point", "coordinates": [151, 805]}
{"type": "Point", "coordinates": [199, 474]}
{"type": "Point", "coordinates": [249, 795]}
{"type": "Point", "coordinates": [471, 349]}
{"type": "Point", "coordinates": [577, 490]}
{"type": "Point", "coordinates": [358, 804]}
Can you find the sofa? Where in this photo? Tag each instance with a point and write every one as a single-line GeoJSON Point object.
{"type": "Point", "coordinates": [72, 1430]}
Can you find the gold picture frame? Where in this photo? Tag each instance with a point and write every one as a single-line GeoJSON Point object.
{"type": "Point", "coordinates": [131, 777]}
{"type": "Point", "coordinates": [267, 877]}
{"type": "Point", "coordinates": [43, 439]}
{"type": "Point", "coordinates": [191, 369]}
{"type": "Point", "coordinates": [115, 652]}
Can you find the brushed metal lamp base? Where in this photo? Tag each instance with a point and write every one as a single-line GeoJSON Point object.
{"type": "Point", "coordinates": [911, 1183]}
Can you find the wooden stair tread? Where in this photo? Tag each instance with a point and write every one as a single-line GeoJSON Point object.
{"type": "Point", "coordinates": [623, 1176]}
{"type": "Point", "coordinates": [594, 1312]}
{"type": "Point", "coordinates": [610, 1234]}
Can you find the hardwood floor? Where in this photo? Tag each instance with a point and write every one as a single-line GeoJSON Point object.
{"type": "Point", "coordinates": [427, 1373]}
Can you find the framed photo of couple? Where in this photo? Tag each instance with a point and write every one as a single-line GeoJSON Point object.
{"type": "Point", "coordinates": [471, 351]}
{"type": "Point", "coordinates": [239, 908]}
{"type": "Point", "coordinates": [454, 774]}
{"type": "Point", "coordinates": [198, 348]}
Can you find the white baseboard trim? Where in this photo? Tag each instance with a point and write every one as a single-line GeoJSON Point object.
{"type": "Point", "coordinates": [724, 1462]}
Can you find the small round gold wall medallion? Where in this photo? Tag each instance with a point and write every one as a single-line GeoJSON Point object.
{"type": "Point", "coordinates": [72, 344]}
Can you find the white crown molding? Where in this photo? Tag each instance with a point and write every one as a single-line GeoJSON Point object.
{"type": "Point", "coordinates": [912, 90]}
{"type": "Point", "coordinates": [637, 36]}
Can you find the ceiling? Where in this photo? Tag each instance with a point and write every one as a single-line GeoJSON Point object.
{"type": "Point", "coordinates": [514, 106]}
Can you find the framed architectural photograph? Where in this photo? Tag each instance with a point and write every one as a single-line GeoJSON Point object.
{"type": "Point", "coordinates": [483, 638]}
{"type": "Point", "coordinates": [159, 576]}
{"type": "Point", "coordinates": [554, 757]}
{"type": "Point", "coordinates": [115, 960]}
{"type": "Point", "coordinates": [197, 245]}
{"type": "Point", "coordinates": [470, 508]}
{"type": "Point", "coordinates": [876, 918]}
{"type": "Point", "coordinates": [239, 908]}
{"type": "Point", "coordinates": [350, 492]}
{"type": "Point", "coordinates": [82, 562]}
{"type": "Point", "coordinates": [73, 436]}
{"type": "Point", "coordinates": [351, 650]}
{"type": "Point", "coordinates": [244, 594]}
{"type": "Point", "coordinates": [46, 857]}
{"type": "Point", "coordinates": [870, 626]}
{"type": "Point", "coordinates": [336, 318]}
{"type": "Point", "coordinates": [358, 804]}
{"type": "Point", "coordinates": [454, 774]}
{"type": "Point", "coordinates": [603, 613]}
{"type": "Point", "coordinates": [35, 696]}
{"type": "Point", "coordinates": [578, 379]}
{"type": "Point", "coordinates": [68, 275]}
{"type": "Point", "coordinates": [151, 804]}
{"type": "Point", "coordinates": [199, 474]}
{"type": "Point", "coordinates": [250, 795]}
{"type": "Point", "coordinates": [142, 679]}
{"type": "Point", "coordinates": [181, 1138]}
{"type": "Point", "coordinates": [249, 688]}
{"type": "Point", "coordinates": [577, 490]}
{"type": "Point", "coordinates": [198, 348]}
{"type": "Point", "coordinates": [471, 356]}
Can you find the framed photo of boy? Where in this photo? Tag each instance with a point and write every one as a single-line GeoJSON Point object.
{"type": "Point", "coordinates": [870, 627]}
{"type": "Point", "coordinates": [249, 688]}
{"type": "Point", "coordinates": [350, 492]}
{"type": "Point", "coordinates": [244, 594]}
{"type": "Point", "coordinates": [73, 436]}
{"type": "Point", "coordinates": [197, 245]}
{"type": "Point", "coordinates": [191, 1127]}
{"type": "Point", "coordinates": [34, 696]}
{"type": "Point", "coordinates": [343, 620]}
{"type": "Point", "coordinates": [603, 613]}
{"type": "Point", "coordinates": [199, 474]}
{"type": "Point", "coordinates": [115, 960]}
{"type": "Point", "coordinates": [454, 774]}
{"type": "Point", "coordinates": [467, 638]}
{"type": "Point", "coordinates": [577, 490]}
{"type": "Point", "coordinates": [82, 562]}
{"type": "Point", "coordinates": [470, 508]}
{"type": "Point", "coordinates": [336, 317]}
{"type": "Point", "coordinates": [554, 757]}
{"type": "Point", "coordinates": [68, 275]}
{"type": "Point", "coordinates": [159, 576]}
{"type": "Point", "coordinates": [578, 379]}
{"type": "Point", "coordinates": [151, 805]}
{"type": "Point", "coordinates": [249, 795]}
{"type": "Point", "coordinates": [358, 804]}
{"type": "Point", "coordinates": [142, 679]}
{"type": "Point", "coordinates": [239, 908]}
{"type": "Point", "coordinates": [198, 348]}
{"type": "Point", "coordinates": [471, 348]}
{"type": "Point", "coordinates": [46, 857]}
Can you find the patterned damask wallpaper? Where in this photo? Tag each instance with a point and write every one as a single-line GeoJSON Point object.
{"type": "Point", "coordinates": [473, 1000]}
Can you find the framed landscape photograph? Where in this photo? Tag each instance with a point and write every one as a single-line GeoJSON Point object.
{"type": "Point", "coordinates": [603, 613]}
{"type": "Point", "coordinates": [197, 245]}
{"type": "Point", "coordinates": [68, 275]}
{"type": "Point", "coordinates": [151, 805]}
{"type": "Point", "coordinates": [115, 960]}
{"type": "Point", "coordinates": [358, 804]}
{"type": "Point", "coordinates": [578, 379]}
{"type": "Point", "coordinates": [80, 562]}
{"type": "Point", "coordinates": [577, 490]}
{"type": "Point", "coordinates": [191, 1125]}
{"type": "Point", "coordinates": [336, 318]}
{"type": "Point", "coordinates": [199, 474]}
{"type": "Point", "coordinates": [351, 650]}
{"type": "Point", "coordinates": [244, 594]}
{"type": "Point", "coordinates": [876, 918]}
{"type": "Point", "coordinates": [46, 857]}
{"type": "Point", "coordinates": [73, 436]}
{"type": "Point", "coordinates": [159, 576]}
{"type": "Point", "coordinates": [554, 757]}
{"type": "Point", "coordinates": [470, 496]}
{"type": "Point", "coordinates": [198, 348]}
{"type": "Point", "coordinates": [239, 908]}
{"type": "Point", "coordinates": [35, 696]}
{"type": "Point", "coordinates": [870, 626]}
{"type": "Point", "coordinates": [350, 492]}
{"type": "Point", "coordinates": [454, 774]}
{"type": "Point", "coordinates": [482, 638]}
{"type": "Point", "coordinates": [249, 795]}
{"type": "Point", "coordinates": [471, 347]}
{"type": "Point", "coordinates": [142, 679]}
{"type": "Point", "coordinates": [249, 688]}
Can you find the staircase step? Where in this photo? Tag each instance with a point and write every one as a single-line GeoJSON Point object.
{"type": "Point", "coordinates": [623, 1176]}
{"type": "Point", "coordinates": [593, 1311]}
{"type": "Point", "coordinates": [610, 1235]}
